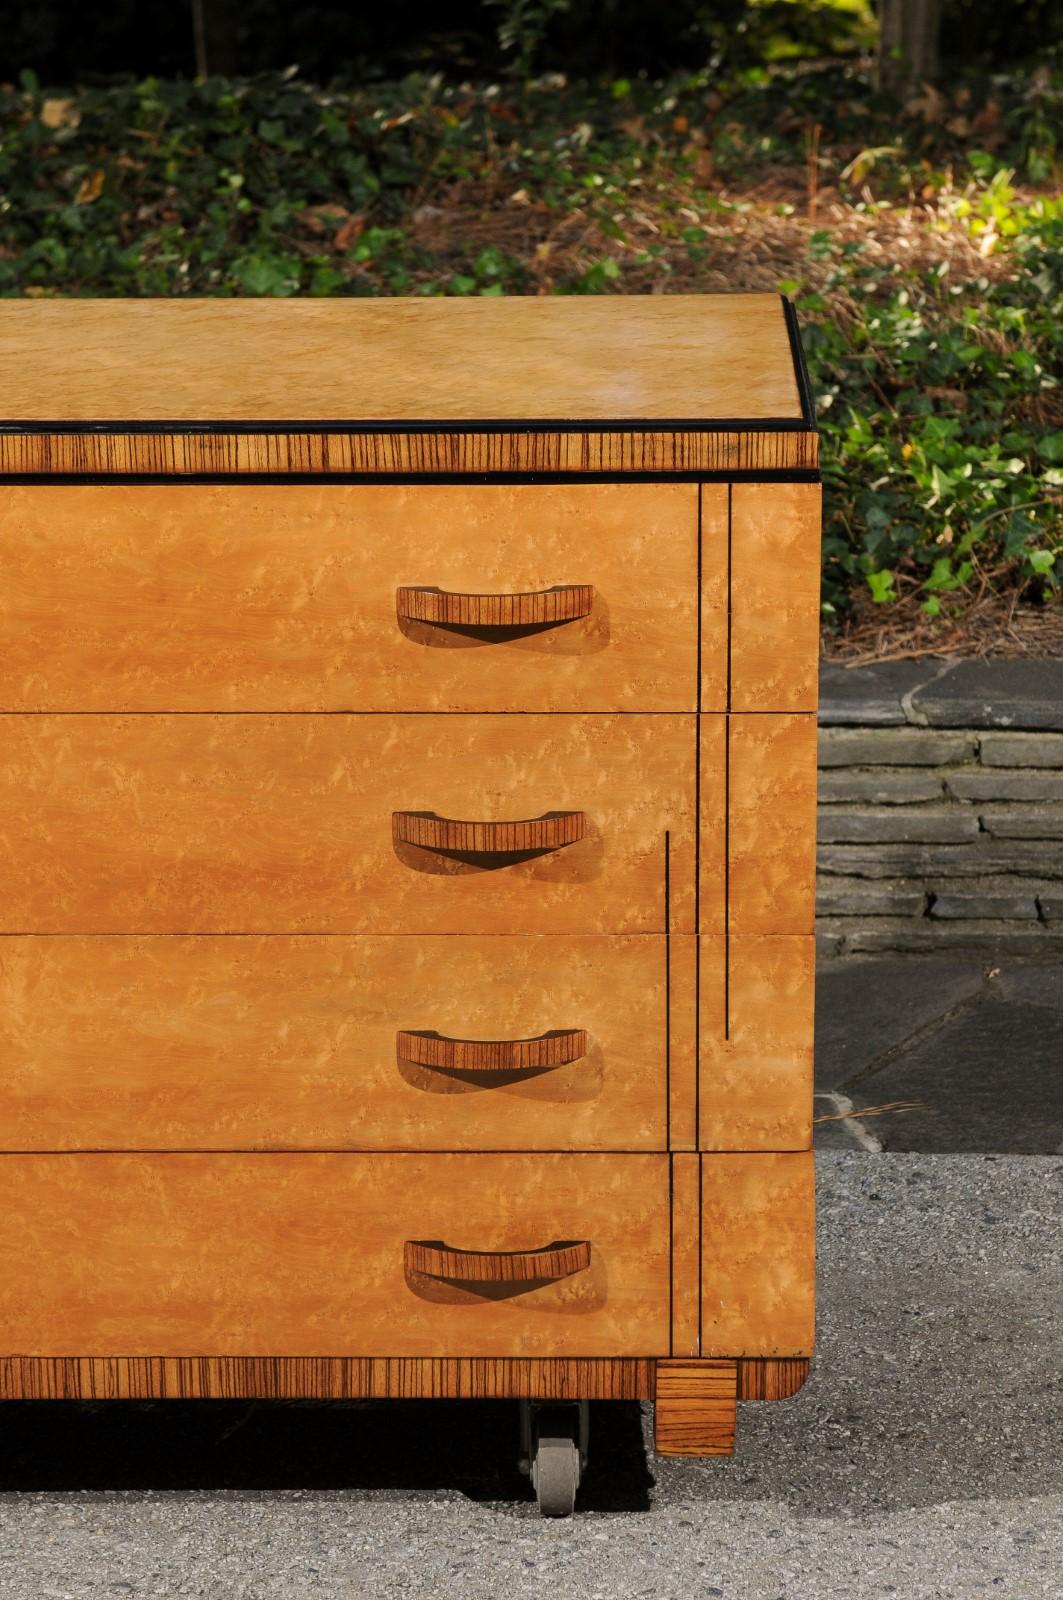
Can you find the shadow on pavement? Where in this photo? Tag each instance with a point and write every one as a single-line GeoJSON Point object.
{"type": "Point", "coordinates": [468, 1447]}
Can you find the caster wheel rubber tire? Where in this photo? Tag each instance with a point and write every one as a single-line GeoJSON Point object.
{"type": "Point", "coordinates": [555, 1471]}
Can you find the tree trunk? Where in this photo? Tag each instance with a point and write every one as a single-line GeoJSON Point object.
{"type": "Point", "coordinates": [908, 43]}
{"type": "Point", "coordinates": [214, 38]}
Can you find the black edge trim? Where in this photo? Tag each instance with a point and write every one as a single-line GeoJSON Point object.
{"type": "Point", "coordinates": [594, 425]}
{"type": "Point", "coordinates": [797, 350]}
{"type": "Point", "coordinates": [260, 479]}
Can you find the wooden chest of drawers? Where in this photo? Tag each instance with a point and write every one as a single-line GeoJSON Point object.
{"type": "Point", "coordinates": [407, 777]}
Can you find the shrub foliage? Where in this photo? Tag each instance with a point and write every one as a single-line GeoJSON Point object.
{"type": "Point", "coordinates": [923, 246]}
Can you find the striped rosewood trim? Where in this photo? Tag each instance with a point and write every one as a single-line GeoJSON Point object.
{"type": "Point", "coordinates": [776, 1378]}
{"type": "Point", "coordinates": [435, 1259]}
{"type": "Point", "coordinates": [492, 1055]}
{"type": "Point", "coordinates": [552, 831]}
{"type": "Point", "coordinates": [172, 454]}
{"type": "Point", "coordinates": [363, 1378]}
{"type": "Point", "coordinates": [566, 603]}
{"type": "Point", "coordinates": [321, 1378]}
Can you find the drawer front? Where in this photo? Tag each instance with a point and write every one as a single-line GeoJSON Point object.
{"type": "Point", "coordinates": [771, 831]}
{"type": "Point", "coordinates": [755, 1015]}
{"type": "Point", "coordinates": [180, 1255]}
{"type": "Point", "coordinates": [186, 597]}
{"type": "Point", "coordinates": [758, 1254]}
{"type": "Point", "coordinates": [234, 824]}
{"type": "Point", "coordinates": [134, 1043]}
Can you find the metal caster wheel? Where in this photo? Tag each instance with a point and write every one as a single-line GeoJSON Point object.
{"type": "Point", "coordinates": [553, 1451]}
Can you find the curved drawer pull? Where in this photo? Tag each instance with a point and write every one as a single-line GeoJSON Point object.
{"type": "Point", "coordinates": [434, 1259]}
{"type": "Point", "coordinates": [554, 1049]}
{"type": "Point", "coordinates": [552, 831]}
{"type": "Point", "coordinates": [544, 608]}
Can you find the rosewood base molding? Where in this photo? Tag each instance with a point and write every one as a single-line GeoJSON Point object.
{"type": "Point", "coordinates": [378, 1378]}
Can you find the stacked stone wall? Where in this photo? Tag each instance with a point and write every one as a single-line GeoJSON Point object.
{"type": "Point", "coordinates": [941, 807]}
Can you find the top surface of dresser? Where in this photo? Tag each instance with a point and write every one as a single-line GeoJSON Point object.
{"type": "Point", "coordinates": [676, 358]}
{"type": "Point", "coordinates": [428, 387]}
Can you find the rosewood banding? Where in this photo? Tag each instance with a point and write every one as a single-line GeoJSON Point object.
{"type": "Point", "coordinates": [552, 831]}
{"type": "Point", "coordinates": [434, 1259]}
{"type": "Point", "coordinates": [554, 1049]}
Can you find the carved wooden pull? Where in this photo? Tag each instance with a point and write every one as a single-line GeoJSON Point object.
{"type": "Point", "coordinates": [553, 1049]}
{"type": "Point", "coordinates": [544, 608]}
{"type": "Point", "coordinates": [552, 831]}
{"type": "Point", "coordinates": [434, 1259]}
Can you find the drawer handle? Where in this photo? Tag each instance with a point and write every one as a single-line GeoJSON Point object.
{"type": "Point", "coordinates": [544, 608]}
{"type": "Point", "coordinates": [552, 831]}
{"type": "Point", "coordinates": [434, 1259]}
{"type": "Point", "coordinates": [554, 1049]}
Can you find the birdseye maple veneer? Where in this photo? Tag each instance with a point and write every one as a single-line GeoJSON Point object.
{"type": "Point", "coordinates": [407, 767]}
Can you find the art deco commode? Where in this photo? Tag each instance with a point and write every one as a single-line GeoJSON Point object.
{"type": "Point", "coordinates": [407, 780]}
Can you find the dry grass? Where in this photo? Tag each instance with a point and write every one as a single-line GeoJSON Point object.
{"type": "Point", "coordinates": [993, 626]}
{"type": "Point", "coordinates": [893, 1108]}
{"type": "Point", "coordinates": [755, 238]}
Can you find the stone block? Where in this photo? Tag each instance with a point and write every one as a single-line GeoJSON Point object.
{"type": "Point", "coordinates": [1003, 783]}
{"type": "Point", "coordinates": [860, 897]}
{"type": "Point", "coordinates": [1021, 749]}
{"type": "Point", "coordinates": [991, 694]}
{"type": "Point", "coordinates": [923, 825]}
{"type": "Point", "coordinates": [1051, 907]}
{"type": "Point", "coordinates": [869, 696]}
{"type": "Point", "coordinates": [921, 935]}
{"type": "Point", "coordinates": [982, 857]}
{"type": "Point", "coordinates": [958, 904]}
{"type": "Point", "coordinates": [1022, 822]}
{"type": "Point", "coordinates": [897, 747]}
{"type": "Point", "coordinates": [904, 787]}
{"type": "Point", "coordinates": [829, 945]}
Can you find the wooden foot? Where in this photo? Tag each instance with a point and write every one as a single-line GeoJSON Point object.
{"type": "Point", "coordinates": [695, 1408]}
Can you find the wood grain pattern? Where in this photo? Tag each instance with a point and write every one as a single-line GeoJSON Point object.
{"type": "Point", "coordinates": [765, 1379]}
{"type": "Point", "coordinates": [271, 1255]}
{"type": "Point", "coordinates": [775, 580]}
{"type": "Point", "coordinates": [239, 597]}
{"type": "Point", "coordinates": [355, 1378]}
{"type": "Point", "coordinates": [484, 453]}
{"type": "Point", "coordinates": [756, 1073]}
{"type": "Point", "coordinates": [291, 1043]}
{"type": "Point", "coordinates": [758, 1254]}
{"type": "Point", "coordinates": [547, 608]}
{"type": "Point", "coordinates": [434, 1259]}
{"type": "Point", "coordinates": [686, 1248]}
{"type": "Point", "coordinates": [683, 1042]}
{"type": "Point", "coordinates": [533, 835]}
{"type": "Point", "coordinates": [714, 528]}
{"type": "Point", "coordinates": [772, 811]}
{"type": "Point", "coordinates": [234, 824]}
{"type": "Point", "coordinates": [322, 1378]}
{"type": "Point", "coordinates": [495, 1056]}
{"type": "Point", "coordinates": [562, 358]}
{"type": "Point", "coordinates": [694, 1408]}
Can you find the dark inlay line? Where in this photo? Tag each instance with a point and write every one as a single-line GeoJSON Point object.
{"type": "Point", "coordinates": [730, 600]}
{"type": "Point", "coordinates": [385, 428]}
{"type": "Point", "coordinates": [667, 991]}
{"type": "Point", "coordinates": [727, 880]}
{"type": "Point", "coordinates": [262, 479]}
{"type": "Point", "coordinates": [797, 351]}
{"type": "Point", "coordinates": [701, 1250]}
